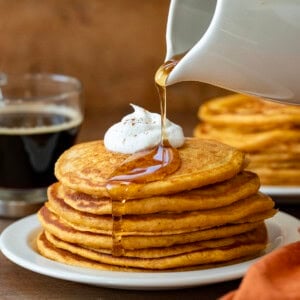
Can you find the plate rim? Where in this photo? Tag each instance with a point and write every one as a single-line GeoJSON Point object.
{"type": "Point", "coordinates": [132, 280]}
{"type": "Point", "coordinates": [278, 190]}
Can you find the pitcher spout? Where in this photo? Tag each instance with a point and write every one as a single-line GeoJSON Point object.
{"type": "Point", "coordinates": [187, 23]}
{"type": "Point", "coordinates": [251, 47]}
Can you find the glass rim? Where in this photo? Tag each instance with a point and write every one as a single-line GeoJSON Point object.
{"type": "Point", "coordinates": [76, 85]}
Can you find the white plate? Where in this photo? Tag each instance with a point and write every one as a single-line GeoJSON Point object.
{"type": "Point", "coordinates": [282, 194]}
{"type": "Point", "coordinates": [281, 190]}
{"type": "Point", "coordinates": [17, 244]}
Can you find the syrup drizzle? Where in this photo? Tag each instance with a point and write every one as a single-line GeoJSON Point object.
{"type": "Point", "coordinates": [145, 166]}
{"type": "Point", "coordinates": [161, 77]}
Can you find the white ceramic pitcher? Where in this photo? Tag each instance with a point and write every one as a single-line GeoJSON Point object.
{"type": "Point", "coordinates": [247, 46]}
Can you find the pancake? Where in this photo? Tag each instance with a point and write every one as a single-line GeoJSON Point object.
{"type": "Point", "coordinates": [48, 250]}
{"type": "Point", "coordinates": [287, 147]}
{"type": "Point", "coordinates": [248, 244]}
{"type": "Point", "coordinates": [282, 157]}
{"type": "Point", "coordinates": [249, 142]}
{"type": "Point", "coordinates": [152, 252]}
{"type": "Point", "coordinates": [275, 165]}
{"type": "Point", "coordinates": [245, 111]}
{"type": "Point", "coordinates": [212, 196]}
{"type": "Point", "coordinates": [208, 211]}
{"type": "Point", "coordinates": [58, 227]}
{"type": "Point", "coordinates": [268, 132]}
{"type": "Point", "coordinates": [87, 167]}
{"type": "Point", "coordinates": [163, 223]}
{"type": "Point", "coordinates": [274, 155]}
{"type": "Point", "coordinates": [280, 176]}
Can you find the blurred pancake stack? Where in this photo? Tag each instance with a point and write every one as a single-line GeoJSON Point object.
{"type": "Point", "coordinates": [267, 131]}
{"type": "Point", "coordinates": [209, 211]}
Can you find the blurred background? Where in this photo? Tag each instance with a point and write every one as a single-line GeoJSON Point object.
{"type": "Point", "coordinates": [113, 47]}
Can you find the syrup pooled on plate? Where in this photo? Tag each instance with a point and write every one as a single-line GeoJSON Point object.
{"type": "Point", "coordinates": [145, 166]}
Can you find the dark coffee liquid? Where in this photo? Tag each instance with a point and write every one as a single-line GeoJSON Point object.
{"type": "Point", "coordinates": [30, 144]}
{"type": "Point", "coordinates": [143, 167]}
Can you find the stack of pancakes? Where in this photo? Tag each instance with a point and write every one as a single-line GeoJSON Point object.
{"type": "Point", "coordinates": [268, 132]}
{"type": "Point", "coordinates": [209, 211]}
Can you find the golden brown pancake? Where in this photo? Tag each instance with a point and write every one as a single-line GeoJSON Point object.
{"type": "Point", "coordinates": [58, 227]}
{"type": "Point", "coordinates": [269, 157]}
{"type": "Point", "coordinates": [154, 252]}
{"type": "Point", "coordinates": [212, 196]}
{"type": "Point", "coordinates": [291, 147]}
{"type": "Point", "coordinates": [164, 223]}
{"type": "Point", "coordinates": [269, 132]}
{"type": "Point", "coordinates": [275, 165]}
{"type": "Point", "coordinates": [48, 250]}
{"type": "Point", "coordinates": [87, 167]}
{"type": "Point", "coordinates": [208, 211]}
{"type": "Point", "coordinates": [248, 244]}
{"type": "Point", "coordinates": [279, 177]}
{"type": "Point", "coordinates": [288, 147]}
{"type": "Point", "coordinates": [252, 112]}
{"type": "Point", "coordinates": [249, 142]}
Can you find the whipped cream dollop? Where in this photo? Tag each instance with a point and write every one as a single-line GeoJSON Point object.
{"type": "Point", "coordinates": [139, 131]}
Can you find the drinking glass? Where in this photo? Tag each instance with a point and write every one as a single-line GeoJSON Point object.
{"type": "Point", "coordinates": [40, 116]}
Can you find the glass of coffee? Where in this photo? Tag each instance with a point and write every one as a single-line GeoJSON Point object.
{"type": "Point", "coordinates": [40, 116]}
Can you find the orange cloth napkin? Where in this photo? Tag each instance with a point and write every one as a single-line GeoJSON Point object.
{"type": "Point", "coordinates": [276, 277]}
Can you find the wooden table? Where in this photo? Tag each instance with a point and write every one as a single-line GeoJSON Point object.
{"type": "Point", "coordinates": [19, 283]}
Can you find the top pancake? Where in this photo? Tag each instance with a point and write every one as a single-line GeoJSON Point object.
{"type": "Point", "coordinates": [242, 110]}
{"type": "Point", "coordinates": [87, 167]}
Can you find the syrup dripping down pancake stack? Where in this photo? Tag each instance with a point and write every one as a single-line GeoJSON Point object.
{"type": "Point", "coordinates": [267, 131]}
{"type": "Point", "coordinates": [208, 211]}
